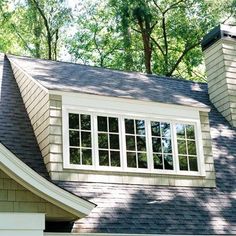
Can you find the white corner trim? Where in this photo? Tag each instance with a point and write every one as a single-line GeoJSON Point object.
{"type": "Point", "coordinates": [26, 73]}
{"type": "Point", "coordinates": [20, 221]}
{"type": "Point", "coordinates": [28, 178]}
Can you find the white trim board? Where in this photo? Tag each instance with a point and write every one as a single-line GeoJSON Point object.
{"type": "Point", "coordinates": [28, 178]}
{"type": "Point", "coordinates": [73, 96]}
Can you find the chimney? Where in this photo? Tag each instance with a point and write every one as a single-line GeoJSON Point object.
{"type": "Point", "coordinates": [219, 47]}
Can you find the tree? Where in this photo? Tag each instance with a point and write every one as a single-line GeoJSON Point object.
{"type": "Point", "coordinates": [169, 30]}
{"type": "Point", "coordinates": [37, 24]}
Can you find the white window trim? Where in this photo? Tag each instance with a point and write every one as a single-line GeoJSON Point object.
{"type": "Point", "coordinates": [121, 115]}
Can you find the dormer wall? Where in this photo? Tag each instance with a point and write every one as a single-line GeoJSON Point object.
{"type": "Point", "coordinates": [44, 112]}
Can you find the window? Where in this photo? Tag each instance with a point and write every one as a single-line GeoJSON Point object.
{"type": "Point", "coordinates": [187, 152]}
{"type": "Point", "coordinates": [136, 150]}
{"type": "Point", "coordinates": [162, 145]}
{"type": "Point", "coordinates": [107, 142]}
{"type": "Point", "coordinates": [80, 139]}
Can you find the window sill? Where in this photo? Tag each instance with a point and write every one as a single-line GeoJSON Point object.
{"type": "Point", "coordinates": [130, 171]}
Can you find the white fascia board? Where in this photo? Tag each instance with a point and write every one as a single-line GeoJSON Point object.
{"type": "Point", "coordinates": [98, 97]}
{"type": "Point", "coordinates": [43, 188]}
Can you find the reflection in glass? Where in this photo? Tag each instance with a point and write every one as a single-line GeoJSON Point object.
{"type": "Point", "coordinates": [103, 158]}
{"type": "Point", "coordinates": [168, 162]}
{"type": "Point", "coordinates": [102, 123]}
{"type": "Point", "coordinates": [74, 138]}
{"type": "Point", "coordinates": [157, 159]}
{"type": "Point", "coordinates": [115, 158]}
{"type": "Point", "coordinates": [131, 159]}
{"type": "Point", "coordinates": [86, 157]}
{"type": "Point", "coordinates": [142, 160]}
{"type": "Point", "coordinates": [74, 155]}
{"type": "Point", "coordinates": [103, 140]}
{"type": "Point", "coordinates": [113, 125]}
{"type": "Point", "coordinates": [129, 126]}
{"type": "Point", "coordinates": [85, 122]}
{"type": "Point", "coordinates": [73, 121]}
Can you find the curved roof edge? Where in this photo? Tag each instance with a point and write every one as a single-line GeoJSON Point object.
{"type": "Point", "coordinates": [43, 188]}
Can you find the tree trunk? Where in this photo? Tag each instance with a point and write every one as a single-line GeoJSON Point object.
{"type": "Point", "coordinates": [147, 52]}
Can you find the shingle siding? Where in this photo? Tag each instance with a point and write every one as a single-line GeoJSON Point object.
{"type": "Point", "coordinates": [16, 198]}
{"type": "Point", "coordinates": [221, 74]}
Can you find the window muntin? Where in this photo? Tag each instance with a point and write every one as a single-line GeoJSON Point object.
{"type": "Point", "coordinates": [108, 141]}
{"type": "Point", "coordinates": [162, 145]}
{"type": "Point", "coordinates": [80, 139]}
{"type": "Point", "coordinates": [187, 152]}
{"type": "Point", "coordinates": [136, 148]}
{"type": "Point", "coordinates": [144, 144]}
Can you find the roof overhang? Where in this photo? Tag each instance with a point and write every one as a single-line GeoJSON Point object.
{"type": "Point", "coordinates": [24, 175]}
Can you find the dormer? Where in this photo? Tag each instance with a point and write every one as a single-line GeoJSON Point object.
{"type": "Point", "coordinates": [98, 125]}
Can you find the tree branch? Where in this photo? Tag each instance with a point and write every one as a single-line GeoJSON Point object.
{"type": "Point", "coordinates": [158, 45]}
{"type": "Point", "coordinates": [187, 49]}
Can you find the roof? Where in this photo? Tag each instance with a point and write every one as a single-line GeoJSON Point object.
{"type": "Point", "coordinates": [16, 132]}
{"type": "Point", "coordinates": [123, 208]}
{"type": "Point", "coordinates": [69, 77]}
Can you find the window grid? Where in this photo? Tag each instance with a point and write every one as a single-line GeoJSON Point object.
{"type": "Point", "coordinates": [139, 154]}
{"type": "Point", "coordinates": [186, 154]}
{"type": "Point", "coordinates": [123, 149]}
{"type": "Point", "coordinates": [79, 156]}
{"type": "Point", "coordinates": [109, 150]}
{"type": "Point", "coordinates": [163, 155]}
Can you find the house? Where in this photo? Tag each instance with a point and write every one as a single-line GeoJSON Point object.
{"type": "Point", "coordinates": [95, 151]}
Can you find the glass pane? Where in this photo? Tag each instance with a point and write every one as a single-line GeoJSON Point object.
{"type": "Point", "coordinates": [165, 130]}
{"type": "Point", "coordinates": [131, 159]}
{"type": "Point", "coordinates": [157, 159]}
{"type": "Point", "coordinates": [129, 126]}
{"type": "Point", "coordinates": [140, 127]}
{"type": "Point", "coordinates": [182, 146]}
{"type": "Point", "coordinates": [166, 145]}
{"type": "Point", "coordinates": [191, 148]}
{"type": "Point", "coordinates": [74, 156]}
{"type": "Point", "coordinates": [130, 143]}
{"type": "Point", "coordinates": [115, 158]}
{"type": "Point", "coordinates": [86, 157]}
{"type": "Point", "coordinates": [141, 143]}
{"type": "Point", "coordinates": [85, 122]}
{"type": "Point", "coordinates": [190, 132]}
{"type": "Point", "coordinates": [74, 138]}
{"type": "Point", "coordinates": [183, 163]}
{"type": "Point", "coordinates": [73, 121]}
{"type": "Point", "coordinates": [142, 160]}
{"type": "Point", "coordinates": [168, 162]}
{"type": "Point", "coordinates": [156, 144]}
{"type": "Point", "coordinates": [193, 163]}
{"type": "Point", "coordinates": [103, 158]}
{"type": "Point", "coordinates": [180, 130]}
{"type": "Point", "coordinates": [103, 141]}
{"type": "Point", "coordinates": [113, 125]}
{"type": "Point", "coordinates": [114, 141]}
{"type": "Point", "coordinates": [86, 139]}
{"type": "Point", "coordinates": [155, 126]}
{"type": "Point", "coordinates": [102, 123]}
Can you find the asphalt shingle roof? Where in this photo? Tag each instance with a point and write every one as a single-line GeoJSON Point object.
{"type": "Point", "coordinates": [123, 208]}
{"type": "Point", "coordinates": [94, 80]}
{"type": "Point", "coordinates": [16, 132]}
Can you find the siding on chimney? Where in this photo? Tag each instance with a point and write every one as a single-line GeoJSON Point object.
{"type": "Point", "coordinates": [220, 60]}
